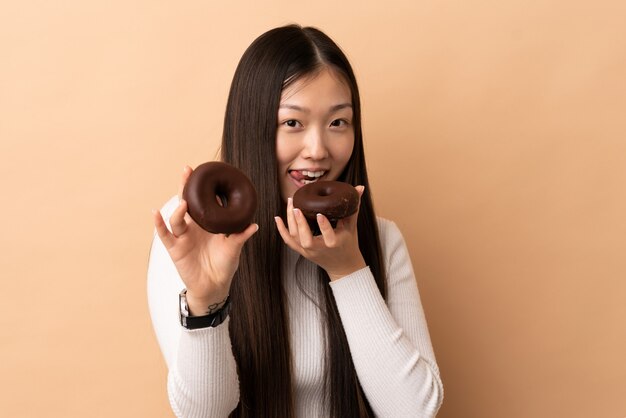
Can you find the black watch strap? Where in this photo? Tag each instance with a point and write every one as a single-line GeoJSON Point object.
{"type": "Point", "coordinates": [205, 321]}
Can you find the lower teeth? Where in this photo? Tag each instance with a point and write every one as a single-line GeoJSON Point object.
{"type": "Point", "coordinates": [309, 181]}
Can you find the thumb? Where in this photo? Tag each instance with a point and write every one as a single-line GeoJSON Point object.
{"type": "Point", "coordinates": [241, 237]}
{"type": "Point", "coordinates": [360, 190]}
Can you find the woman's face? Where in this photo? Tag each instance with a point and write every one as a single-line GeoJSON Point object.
{"type": "Point", "coordinates": [315, 135]}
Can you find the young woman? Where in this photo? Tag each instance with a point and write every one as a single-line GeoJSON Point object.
{"type": "Point", "coordinates": [301, 325]}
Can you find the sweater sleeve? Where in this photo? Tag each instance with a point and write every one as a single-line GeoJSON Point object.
{"type": "Point", "coordinates": [390, 343]}
{"type": "Point", "coordinates": [202, 376]}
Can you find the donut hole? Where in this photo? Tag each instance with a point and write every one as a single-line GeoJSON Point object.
{"type": "Point", "coordinates": [324, 191]}
{"type": "Point", "coordinates": [221, 198]}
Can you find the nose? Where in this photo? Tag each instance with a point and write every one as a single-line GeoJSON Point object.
{"type": "Point", "coordinates": [315, 145]}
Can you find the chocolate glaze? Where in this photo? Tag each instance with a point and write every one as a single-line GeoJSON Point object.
{"type": "Point", "coordinates": [217, 179]}
{"type": "Point", "coordinates": [333, 199]}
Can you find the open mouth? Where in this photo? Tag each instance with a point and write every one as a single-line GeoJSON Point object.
{"type": "Point", "coordinates": [306, 177]}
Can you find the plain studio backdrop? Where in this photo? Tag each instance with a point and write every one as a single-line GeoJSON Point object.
{"type": "Point", "coordinates": [495, 134]}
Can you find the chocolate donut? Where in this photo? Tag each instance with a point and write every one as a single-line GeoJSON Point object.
{"type": "Point", "coordinates": [215, 181]}
{"type": "Point", "coordinates": [333, 199]}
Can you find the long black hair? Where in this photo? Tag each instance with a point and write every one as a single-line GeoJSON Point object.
{"type": "Point", "coordinates": [259, 328]}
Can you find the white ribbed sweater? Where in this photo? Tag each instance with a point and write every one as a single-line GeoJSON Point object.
{"type": "Point", "coordinates": [389, 343]}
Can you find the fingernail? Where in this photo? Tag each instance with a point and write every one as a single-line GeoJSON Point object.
{"type": "Point", "coordinates": [289, 200]}
{"type": "Point", "coordinates": [296, 211]}
{"type": "Point", "coordinates": [257, 228]}
{"type": "Point", "coordinates": [319, 216]}
{"type": "Point", "coordinates": [276, 219]}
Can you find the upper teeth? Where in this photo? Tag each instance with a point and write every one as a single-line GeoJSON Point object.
{"type": "Point", "coordinates": [312, 173]}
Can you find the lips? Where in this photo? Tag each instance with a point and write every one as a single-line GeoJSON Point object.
{"type": "Point", "coordinates": [303, 177]}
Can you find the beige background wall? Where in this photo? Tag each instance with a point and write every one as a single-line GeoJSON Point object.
{"type": "Point", "coordinates": [495, 135]}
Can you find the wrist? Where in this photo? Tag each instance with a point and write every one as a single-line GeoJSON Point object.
{"type": "Point", "coordinates": [216, 314]}
{"type": "Point", "coordinates": [205, 305]}
{"type": "Point", "coordinates": [339, 274]}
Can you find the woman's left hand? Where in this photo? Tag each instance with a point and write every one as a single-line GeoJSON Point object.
{"type": "Point", "coordinates": [336, 250]}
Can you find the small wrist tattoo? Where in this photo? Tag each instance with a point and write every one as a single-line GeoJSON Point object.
{"type": "Point", "coordinates": [214, 307]}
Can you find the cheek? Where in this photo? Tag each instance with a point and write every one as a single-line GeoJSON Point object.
{"type": "Point", "coordinates": [344, 150]}
{"type": "Point", "coordinates": [283, 152]}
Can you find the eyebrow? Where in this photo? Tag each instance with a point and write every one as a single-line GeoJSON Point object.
{"type": "Point", "coordinates": [305, 110]}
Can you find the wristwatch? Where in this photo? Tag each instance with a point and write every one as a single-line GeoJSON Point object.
{"type": "Point", "coordinates": [205, 321]}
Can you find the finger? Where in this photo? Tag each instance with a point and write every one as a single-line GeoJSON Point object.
{"type": "Point", "coordinates": [327, 231]}
{"type": "Point", "coordinates": [177, 221]}
{"type": "Point", "coordinates": [284, 233]}
{"type": "Point", "coordinates": [291, 220]}
{"type": "Point", "coordinates": [165, 235]}
{"type": "Point", "coordinates": [304, 232]}
{"type": "Point", "coordinates": [241, 237]}
{"type": "Point", "coordinates": [185, 176]}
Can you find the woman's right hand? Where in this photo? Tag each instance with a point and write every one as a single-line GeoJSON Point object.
{"type": "Point", "coordinates": [206, 262]}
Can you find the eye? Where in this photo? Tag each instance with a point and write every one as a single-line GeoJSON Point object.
{"type": "Point", "coordinates": [339, 122]}
{"type": "Point", "coordinates": [292, 123]}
